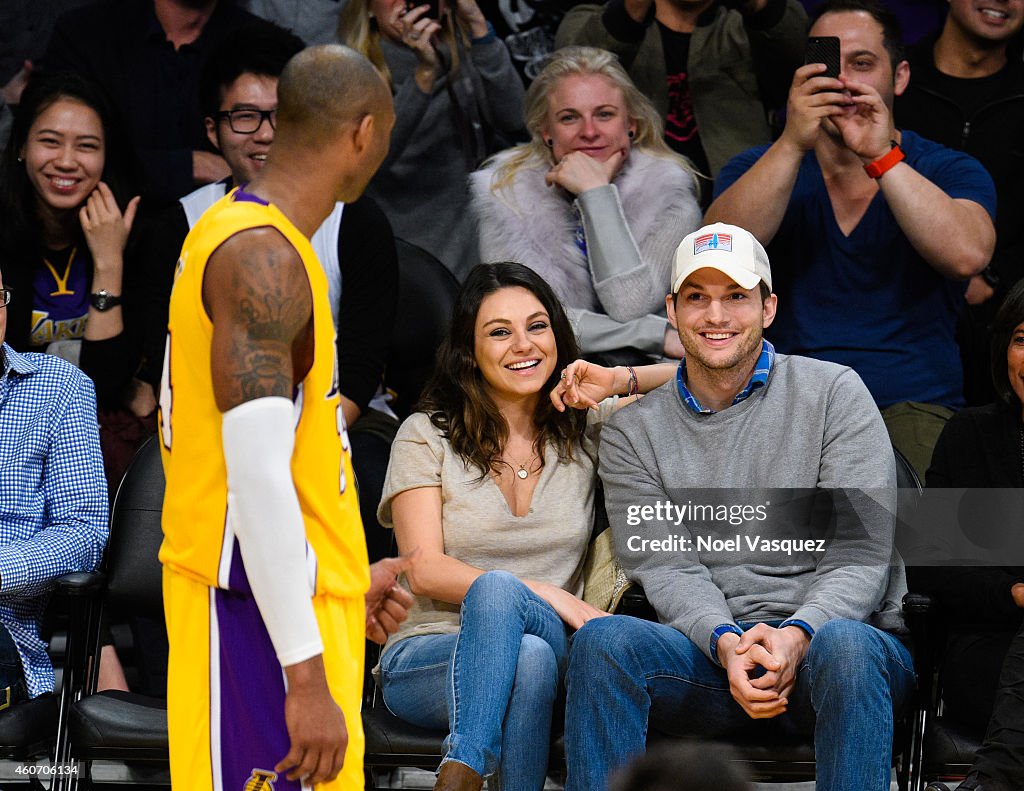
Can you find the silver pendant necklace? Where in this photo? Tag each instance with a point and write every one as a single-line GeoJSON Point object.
{"type": "Point", "coordinates": [522, 473]}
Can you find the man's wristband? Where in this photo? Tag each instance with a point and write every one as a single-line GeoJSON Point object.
{"type": "Point", "coordinates": [725, 628]}
{"type": "Point", "coordinates": [883, 164]}
{"type": "Point", "coordinates": [806, 627]}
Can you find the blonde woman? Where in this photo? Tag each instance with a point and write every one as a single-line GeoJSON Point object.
{"type": "Point", "coordinates": [455, 90]}
{"type": "Point", "coordinates": [596, 203]}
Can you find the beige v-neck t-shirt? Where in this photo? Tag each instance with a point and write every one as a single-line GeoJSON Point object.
{"type": "Point", "coordinates": [547, 544]}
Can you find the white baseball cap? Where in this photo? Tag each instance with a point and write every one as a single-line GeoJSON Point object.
{"type": "Point", "coordinates": [727, 248]}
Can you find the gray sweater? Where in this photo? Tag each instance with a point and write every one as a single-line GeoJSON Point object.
{"type": "Point", "coordinates": [421, 186]}
{"type": "Point", "coordinates": [813, 429]}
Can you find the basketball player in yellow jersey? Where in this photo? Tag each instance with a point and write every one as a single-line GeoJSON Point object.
{"type": "Point", "coordinates": [264, 558]}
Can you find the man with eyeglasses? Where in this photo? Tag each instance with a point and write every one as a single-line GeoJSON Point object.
{"type": "Point", "coordinates": [53, 501]}
{"type": "Point", "coordinates": [148, 55]}
{"type": "Point", "coordinates": [355, 246]}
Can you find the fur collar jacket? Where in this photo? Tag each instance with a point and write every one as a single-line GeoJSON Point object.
{"type": "Point", "coordinates": [536, 225]}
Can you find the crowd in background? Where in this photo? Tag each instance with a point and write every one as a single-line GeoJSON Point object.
{"type": "Point", "coordinates": [584, 142]}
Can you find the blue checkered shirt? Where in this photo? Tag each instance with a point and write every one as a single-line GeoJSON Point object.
{"type": "Point", "coordinates": [758, 379]}
{"type": "Point", "coordinates": [53, 494]}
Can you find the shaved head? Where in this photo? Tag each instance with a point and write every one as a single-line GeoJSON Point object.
{"type": "Point", "coordinates": [325, 88]}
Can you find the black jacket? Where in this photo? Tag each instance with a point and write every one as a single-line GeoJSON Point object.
{"type": "Point", "coordinates": [994, 135]}
{"type": "Point", "coordinates": [979, 448]}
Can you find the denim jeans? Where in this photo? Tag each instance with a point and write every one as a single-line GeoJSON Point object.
{"type": "Point", "coordinates": [625, 673]}
{"type": "Point", "coordinates": [12, 677]}
{"type": "Point", "coordinates": [493, 684]}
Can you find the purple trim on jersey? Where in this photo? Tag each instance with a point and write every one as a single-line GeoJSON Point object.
{"type": "Point", "coordinates": [253, 734]}
{"type": "Point", "coordinates": [237, 580]}
{"type": "Point", "coordinates": [248, 197]}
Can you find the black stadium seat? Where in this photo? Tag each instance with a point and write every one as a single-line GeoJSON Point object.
{"type": "Point", "coordinates": [115, 725]}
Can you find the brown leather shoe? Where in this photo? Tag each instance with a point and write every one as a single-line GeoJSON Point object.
{"type": "Point", "coordinates": [458, 777]}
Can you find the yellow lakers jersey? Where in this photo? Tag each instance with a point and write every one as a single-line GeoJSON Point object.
{"type": "Point", "coordinates": [198, 541]}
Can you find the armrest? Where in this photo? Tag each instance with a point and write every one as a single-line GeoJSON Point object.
{"type": "Point", "coordinates": [917, 604]}
{"type": "Point", "coordinates": [82, 589]}
{"type": "Point", "coordinates": [80, 583]}
{"type": "Point", "coordinates": [634, 602]}
{"type": "Point", "coordinates": [919, 613]}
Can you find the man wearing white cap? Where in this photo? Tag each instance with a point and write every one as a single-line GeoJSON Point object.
{"type": "Point", "coordinates": [766, 611]}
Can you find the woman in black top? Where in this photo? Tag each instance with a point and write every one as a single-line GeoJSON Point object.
{"type": "Point", "coordinates": [66, 221]}
{"type": "Point", "coordinates": [983, 670]}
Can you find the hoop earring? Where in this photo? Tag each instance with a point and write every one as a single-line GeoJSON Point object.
{"type": "Point", "coordinates": [632, 134]}
{"type": "Point", "coordinates": [548, 141]}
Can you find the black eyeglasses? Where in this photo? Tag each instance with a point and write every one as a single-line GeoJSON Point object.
{"type": "Point", "coordinates": [247, 122]}
{"type": "Point", "coordinates": [5, 297]}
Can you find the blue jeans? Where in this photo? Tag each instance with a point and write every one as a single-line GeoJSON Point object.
{"type": "Point", "coordinates": [625, 673]}
{"type": "Point", "coordinates": [493, 684]}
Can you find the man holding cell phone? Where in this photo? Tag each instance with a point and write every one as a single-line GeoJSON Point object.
{"type": "Point", "coordinates": [876, 229]}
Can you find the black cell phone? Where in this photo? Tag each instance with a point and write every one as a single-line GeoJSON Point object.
{"type": "Point", "coordinates": [434, 12]}
{"type": "Point", "coordinates": [824, 49]}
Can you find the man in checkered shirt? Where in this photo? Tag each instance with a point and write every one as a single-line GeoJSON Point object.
{"type": "Point", "coordinates": [53, 501]}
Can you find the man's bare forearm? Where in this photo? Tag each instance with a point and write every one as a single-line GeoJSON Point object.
{"type": "Point", "coordinates": [757, 201]}
{"type": "Point", "coordinates": [955, 237]}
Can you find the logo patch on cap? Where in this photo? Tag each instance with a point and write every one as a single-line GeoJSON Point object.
{"type": "Point", "coordinates": [712, 241]}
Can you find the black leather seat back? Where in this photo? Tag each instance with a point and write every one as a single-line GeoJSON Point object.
{"type": "Point", "coordinates": [133, 571]}
{"type": "Point", "coordinates": [426, 296]}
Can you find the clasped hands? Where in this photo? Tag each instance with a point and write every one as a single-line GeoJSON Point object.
{"type": "Point", "coordinates": [762, 667]}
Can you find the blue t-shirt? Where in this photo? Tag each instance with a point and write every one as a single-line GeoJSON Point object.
{"type": "Point", "coordinates": [868, 300]}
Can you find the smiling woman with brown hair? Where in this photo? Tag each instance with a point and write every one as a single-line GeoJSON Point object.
{"type": "Point", "coordinates": [495, 484]}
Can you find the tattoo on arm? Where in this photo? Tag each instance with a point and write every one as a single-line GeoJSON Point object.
{"type": "Point", "coordinates": [263, 353]}
{"type": "Point", "coordinates": [264, 308]}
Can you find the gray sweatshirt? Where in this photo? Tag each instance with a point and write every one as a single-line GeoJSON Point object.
{"type": "Point", "coordinates": [421, 185]}
{"type": "Point", "coordinates": [805, 460]}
